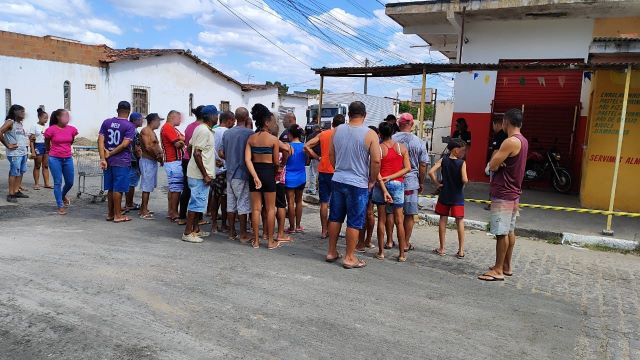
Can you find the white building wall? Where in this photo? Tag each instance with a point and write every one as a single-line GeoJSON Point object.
{"type": "Point", "coordinates": [170, 79]}
{"type": "Point", "coordinates": [518, 39]}
{"type": "Point", "coordinates": [300, 104]}
{"type": "Point", "coordinates": [40, 82]}
{"type": "Point", "coordinates": [442, 124]}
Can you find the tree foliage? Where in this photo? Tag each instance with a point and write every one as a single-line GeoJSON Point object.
{"type": "Point", "coordinates": [282, 88]}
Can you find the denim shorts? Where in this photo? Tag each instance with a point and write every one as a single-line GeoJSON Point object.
{"type": "Point", "coordinates": [350, 202]}
{"type": "Point", "coordinates": [116, 179]}
{"type": "Point", "coordinates": [17, 165]}
{"type": "Point", "coordinates": [40, 149]}
{"type": "Point", "coordinates": [148, 175]}
{"type": "Point", "coordinates": [395, 189]}
{"type": "Point", "coordinates": [324, 186]}
{"type": "Point", "coordinates": [134, 176]}
{"type": "Point", "coordinates": [175, 177]}
{"type": "Point", "coordinates": [199, 195]}
{"type": "Point", "coordinates": [503, 216]}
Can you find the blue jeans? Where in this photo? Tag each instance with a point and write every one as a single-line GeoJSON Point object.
{"type": "Point", "coordinates": [61, 168]}
{"type": "Point", "coordinates": [348, 201]}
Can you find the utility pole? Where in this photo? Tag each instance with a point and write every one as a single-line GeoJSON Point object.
{"type": "Point", "coordinates": [366, 64]}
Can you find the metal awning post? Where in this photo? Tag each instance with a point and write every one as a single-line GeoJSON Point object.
{"type": "Point", "coordinates": [616, 166]}
{"type": "Point", "coordinates": [320, 100]}
{"type": "Point", "coordinates": [422, 99]}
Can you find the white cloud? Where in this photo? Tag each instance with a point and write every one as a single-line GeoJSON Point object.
{"type": "Point", "coordinates": [65, 18]}
{"type": "Point", "coordinates": [102, 25]}
{"type": "Point", "coordinates": [22, 10]}
{"type": "Point", "coordinates": [165, 9]}
{"type": "Point", "coordinates": [340, 21]}
{"type": "Point", "coordinates": [202, 52]}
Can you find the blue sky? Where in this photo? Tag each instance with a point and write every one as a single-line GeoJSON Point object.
{"type": "Point", "coordinates": [301, 33]}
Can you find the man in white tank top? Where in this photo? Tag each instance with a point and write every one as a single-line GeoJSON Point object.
{"type": "Point", "coordinates": [355, 155]}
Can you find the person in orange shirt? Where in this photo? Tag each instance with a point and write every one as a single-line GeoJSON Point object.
{"type": "Point", "coordinates": [325, 169]}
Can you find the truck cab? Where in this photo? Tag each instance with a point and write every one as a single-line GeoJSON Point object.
{"type": "Point", "coordinates": [328, 112]}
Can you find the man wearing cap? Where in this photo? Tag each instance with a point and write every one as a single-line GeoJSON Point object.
{"type": "Point", "coordinates": [151, 155]}
{"type": "Point", "coordinates": [173, 145]}
{"type": "Point", "coordinates": [414, 179]}
{"type": "Point", "coordinates": [200, 172]}
{"type": "Point", "coordinates": [114, 140]}
{"type": "Point", "coordinates": [134, 174]}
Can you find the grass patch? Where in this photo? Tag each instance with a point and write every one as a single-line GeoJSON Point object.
{"type": "Point", "coordinates": [599, 247]}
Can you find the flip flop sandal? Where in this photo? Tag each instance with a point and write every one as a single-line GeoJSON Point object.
{"type": "Point", "coordinates": [124, 219]}
{"type": "Point", "coordinates": [300, 230]}
{"type": "Point", "coordinates": [459, 256]}
{"type": "Point", "coordinates": [332, 260]}
{"type": "Point", "coordinates": [437, 252]}
{"type": "Point", "coordinates": [275, 247]}
{"type": "Point", "coordinates": [48, 187]}
{"type": "Point", "coordinates": [36, 188]}
{"type": "Point", "coordinates": [290, 231]}
{"type": "Point", "coordinates": [370, 246]}
{"type": "Point", "coordinates": [284, 240]}
{"type": "Point", "coordinates": [401, 258]}
{"type": "Point", "coordinates": [147, 217]}
{"type": "Point", "coordinates": [204, 222]}
{"type": "Point", "coordinates": [393, 244]}
{"type": "Point", "coordinates": [109, 219]}
{"type": "Point", "coordinates": [379, 257]}
{"type": "Point", "coordinates": [255, 246]}
{"type": "Point", "coordinates": [487, 277]}
{"type": "Point", "coordinates": [359, 265]}
{"type": "Point", "coordinates": [410, 248]}
{"type": "Point", "coordinates": [361, 250]}
{"type": "Point", "coordinates": [507, 274]}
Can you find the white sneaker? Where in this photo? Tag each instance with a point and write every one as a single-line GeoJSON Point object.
{"type": "Point", "coordinates": [203, 234]}
{"type": "Point", "coordinates": [192, 238]}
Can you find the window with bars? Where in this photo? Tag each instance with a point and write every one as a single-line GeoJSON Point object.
{"type": "Point", "coordinates": [7, 100]}
{"type": "Point", "coordinates": [66, 93]}
{"type": "Point", "coordinates": [90, 86]}
{"type": "Point", "coordinates": [190, 104]}
{"type": "Point", "coordinates": [140, 99]}
{"type": "Point", "coordinates": [224, 106]}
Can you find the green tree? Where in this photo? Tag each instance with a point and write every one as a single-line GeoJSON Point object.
{"type": "Point", "coordinates": [313, 91]}
{"type": "Point", "coordinates": [282, 88]}
{"type": "Point", "coordinates": [413, 110]}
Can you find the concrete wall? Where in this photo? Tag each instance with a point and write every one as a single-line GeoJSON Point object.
{"type": "Point", "coordinates": [40, 82]}
{"type": "Point", "coordinates": [169, 80]}
{"type": "Point", "coordinates": [442, 124]}
{"type": "Point", "coordinates": [492, 41]}
{"type": "Point", "coordinates": [299, 103]}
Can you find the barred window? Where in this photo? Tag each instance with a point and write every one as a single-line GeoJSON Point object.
{"type": "Point", "coordinates": [66, 93]}
{"type": "Point", "coordinates": [140, 97]}
{"type": "Point", "coordinates": [190, 104]}
{"type": "Point", "coordinates": [7, 100]}
{"type": "Point", "coordinates": [224, 106]}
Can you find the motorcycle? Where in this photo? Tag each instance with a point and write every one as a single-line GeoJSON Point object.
{"type": "Point", "coordinates": [538, 166]}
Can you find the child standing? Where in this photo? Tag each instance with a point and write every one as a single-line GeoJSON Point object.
{"type": "Point", "coordinates": [451, 199]}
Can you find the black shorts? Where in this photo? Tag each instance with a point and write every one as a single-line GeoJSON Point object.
{"type": "Point", "coordinates": [281, 197]}
{"type": "Point", "coordinates": [219, 185]}
{"type": "Point", "coordinates": [267, 175]}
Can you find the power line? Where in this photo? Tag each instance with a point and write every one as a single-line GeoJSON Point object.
{"type": "Point", "coordinates": [263, 36]}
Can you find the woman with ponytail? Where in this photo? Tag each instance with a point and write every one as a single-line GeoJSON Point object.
{"type": "Point", "coordinates": [58, 138]}
{"type": "Point", "coordinates": [38, 151]}
{"type": "Point", "coordinates": [261, 157]}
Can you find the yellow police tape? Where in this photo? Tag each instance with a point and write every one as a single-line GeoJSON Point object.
{"type": "Point", "coordinates": [558, 208]}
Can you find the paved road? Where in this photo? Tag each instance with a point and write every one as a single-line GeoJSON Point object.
{"type": "Point", "coordinates": [77, 287]}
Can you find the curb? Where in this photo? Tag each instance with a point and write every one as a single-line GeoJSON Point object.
{"type": "Point", "coordinates": [562, 237]}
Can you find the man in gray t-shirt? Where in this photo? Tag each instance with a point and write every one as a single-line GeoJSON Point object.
{"type": "Point", "coordinates": [231, 151]}
{"type": "Point", "coordinates": [414, 180]}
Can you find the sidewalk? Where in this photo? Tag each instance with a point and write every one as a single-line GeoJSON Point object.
{"type": "Point", "coordinates": [551, 220]}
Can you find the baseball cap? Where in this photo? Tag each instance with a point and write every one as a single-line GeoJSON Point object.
{"type": "Point", "coordinates": [405, 118]}
{"type": "Point", "coordinates": [135, 116]}
{"type": "Point", "coordinates": [209, 110]}
{"type": "Point", "coordinates": [124, 105]}
{"type": "Point", "coordinates": [153, 116]}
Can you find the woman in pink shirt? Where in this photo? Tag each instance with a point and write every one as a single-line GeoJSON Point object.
{"type": "Point", "coordinates": [58, 139]}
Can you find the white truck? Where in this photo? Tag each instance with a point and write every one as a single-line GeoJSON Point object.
{"type": "Point", "coordinates": [333, 104]}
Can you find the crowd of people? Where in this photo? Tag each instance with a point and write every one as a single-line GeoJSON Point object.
{"type": "Point", "coordinates": [228, 168]}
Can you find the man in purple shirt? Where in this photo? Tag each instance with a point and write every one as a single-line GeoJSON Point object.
{"type": "Point", "coordinates": [116, 134]}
